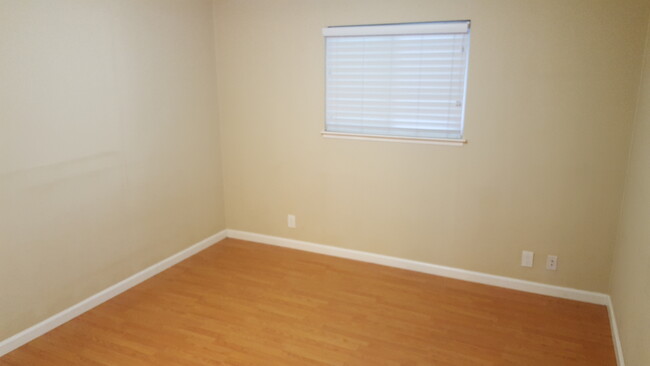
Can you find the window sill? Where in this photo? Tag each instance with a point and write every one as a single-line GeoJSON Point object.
{"type": "Point", "coordinates": [412, 140]}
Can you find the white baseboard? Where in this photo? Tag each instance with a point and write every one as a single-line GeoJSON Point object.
{"type": "Point", "coordinates": [54, 321]}
{"type": "Point", "coordinates": [434, 269]}
{"type": "Point", "coordinates": [618, 348]}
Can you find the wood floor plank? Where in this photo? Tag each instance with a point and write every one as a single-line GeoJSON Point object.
{"type": "Point", "coordinates": [239, 303]}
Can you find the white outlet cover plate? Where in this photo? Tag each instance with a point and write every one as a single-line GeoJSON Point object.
{"type": "Point", "coordinates": [551, 262]}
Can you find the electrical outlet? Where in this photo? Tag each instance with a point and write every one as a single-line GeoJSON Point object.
{"type": "Point", "coordinates": [291, 221]}
{"type": "Point", "coordinates": [527, 258]}
{"type": "Point", "coordinates": [551, 262]}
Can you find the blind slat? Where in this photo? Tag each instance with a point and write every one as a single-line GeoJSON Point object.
{"type": "Point", "coordinates": [359, 79]}
{"type": "Point", "coordinates": [404, 127]}
{"type": "Point", "coordinates": [392, 101]}
{"type": "Point", "coordinates": [398, 111]}
{"type": "Point", "coordinates": [432, 118]}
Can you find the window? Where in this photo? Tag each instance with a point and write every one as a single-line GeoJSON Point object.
{"type": "Point", "coordinates": [397, 81]}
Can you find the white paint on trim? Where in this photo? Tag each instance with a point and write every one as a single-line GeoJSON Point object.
{"type": "Point", "coordinates": [434, 269]}
{"type": "Point", "coordinates": [618, 348]}
{"type": "Point", "coordinates": [413, 140]}
{"type": "Point", "coordinates": [68, 314]}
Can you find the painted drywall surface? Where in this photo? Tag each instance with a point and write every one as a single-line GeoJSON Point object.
{"type": "Point", "coordinates": [630, 286]}
{"type": "Point", "coordinates": [109, 160]}
{"type": "Point", "coordinates": [552, 87]}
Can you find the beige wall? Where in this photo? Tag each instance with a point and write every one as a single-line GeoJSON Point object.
{"type": "Point", "coordinates": [110, 152]}
{"type": "Point", "coordinates": [630, 286]}
{"type": "Point", "coordinates": [552, 87]}
{"type": "Point", "coordinates": [109, 160]}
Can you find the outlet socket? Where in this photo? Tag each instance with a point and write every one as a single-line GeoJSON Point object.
{"type": "Point", "coordinates": [291, 221]}
{"type": "Point", "coordinates": [551, 262]}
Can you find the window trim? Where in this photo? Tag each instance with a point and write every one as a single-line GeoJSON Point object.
{"type": "Point", "coordinates": [388, 138]}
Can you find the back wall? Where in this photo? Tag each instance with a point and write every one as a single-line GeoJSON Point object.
{"type": "Point", "coordinates": [551, 94]}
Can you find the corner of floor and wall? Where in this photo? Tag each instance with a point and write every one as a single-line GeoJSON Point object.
{"type": "Point", "coordinates": [124, 141]}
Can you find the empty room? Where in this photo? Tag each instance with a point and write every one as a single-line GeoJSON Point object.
{"type": "Point", "coordinates": [325, 182]}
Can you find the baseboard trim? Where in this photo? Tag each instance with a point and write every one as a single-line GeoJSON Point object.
{"type": "Point", "coordinates": [618, 347]}
{"type": "Point", "coordinates": [434, 269]}
{"type": "Point", "coordinates": [54, 321]}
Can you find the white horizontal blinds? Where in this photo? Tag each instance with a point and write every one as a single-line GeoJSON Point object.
{"type": "Point", "coordinates": [411, 85]}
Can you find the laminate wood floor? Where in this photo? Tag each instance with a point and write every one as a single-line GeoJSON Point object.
{"type": "Point", "coordinates": [242, 303]}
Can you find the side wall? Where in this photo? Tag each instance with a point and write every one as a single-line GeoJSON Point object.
{"type": "Point", "coordinates": [630, 286]}
{"type": "Point", "coordinates": [552, 87]}
{"type": "Point", "coordinates": [109, 156]}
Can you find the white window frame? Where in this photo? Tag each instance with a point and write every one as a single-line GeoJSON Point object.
{"type": "Point", "coordinates": [388, 124]}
